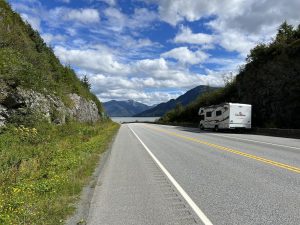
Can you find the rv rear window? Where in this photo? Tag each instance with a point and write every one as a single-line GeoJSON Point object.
{"type": "Point", "coordinates": [208, 114]}
{"type": "Point", "coordinates": [218, 113]}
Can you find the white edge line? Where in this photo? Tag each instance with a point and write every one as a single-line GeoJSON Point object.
{"type": "Point", "coordinates": [262, 142]}
{"type": "Point", "coordinates": [188, 199]}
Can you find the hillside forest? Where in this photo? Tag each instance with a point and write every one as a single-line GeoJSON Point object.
{"type": "Point", "coordinates": [269, 80]}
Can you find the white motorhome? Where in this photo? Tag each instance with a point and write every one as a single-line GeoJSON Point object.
{"type": "Point", "coordinates": [225, 116]}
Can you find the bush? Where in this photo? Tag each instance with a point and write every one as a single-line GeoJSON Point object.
{"type": "Point", "coordinates": [43, 168]}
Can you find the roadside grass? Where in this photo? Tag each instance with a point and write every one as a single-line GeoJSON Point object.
{"type": "Point", "coordinates": [43, 169]}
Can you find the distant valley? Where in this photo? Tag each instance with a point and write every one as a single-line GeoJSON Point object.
{"type": "Point", "coordinates": [124, 108]}
{"type": "Point", "coordinates": [132, 108]}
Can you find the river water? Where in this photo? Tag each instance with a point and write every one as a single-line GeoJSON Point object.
{"type": "Point", "coordinates": [134, 119]}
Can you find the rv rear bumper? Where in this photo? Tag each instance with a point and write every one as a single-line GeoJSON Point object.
{"type": "Point", "coordinates": [239, 126]}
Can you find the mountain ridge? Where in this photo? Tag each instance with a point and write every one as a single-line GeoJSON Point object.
{"type": "Point", "coordinates": [124, 108]}
{"type": "Point", "coordinates": [184, 100]}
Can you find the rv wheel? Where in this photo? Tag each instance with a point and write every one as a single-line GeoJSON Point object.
{"type": "Point", "coordinates": [216, 128]}
{"type": "Point", "coordinates": [201, 127]}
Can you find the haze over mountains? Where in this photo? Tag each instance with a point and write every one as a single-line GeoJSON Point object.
{"type": "Point", "coordinates": [132, 108]}
{"type": "Point", "coordinates": [184, 100]}
{"type": "Point", "coordinates": [124, 108]}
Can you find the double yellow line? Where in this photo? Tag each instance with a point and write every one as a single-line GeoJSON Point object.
{"type": "Point", "coordinates": [264, 160]}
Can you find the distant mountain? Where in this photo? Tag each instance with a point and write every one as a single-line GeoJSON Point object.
{"type": "Point", "coordinates": [184, 100]}
{"type": "Point", "coordinates": [124, 108]}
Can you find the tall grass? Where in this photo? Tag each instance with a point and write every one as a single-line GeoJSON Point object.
{"type": "Point", "coordinates": [43, 169]}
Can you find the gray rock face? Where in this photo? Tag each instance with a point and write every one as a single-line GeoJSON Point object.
{"type": "Point", "coordinates": [83, 110]}
{"type": "Point", "coordinates": [3, 113]}
{"type": "Point", "coordinates": [17, 100]}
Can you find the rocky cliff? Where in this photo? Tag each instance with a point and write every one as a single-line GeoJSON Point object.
{"type": "Point", "coordinates": [17, 102]}
{"type": "Point", "coordinates": [34, 85]}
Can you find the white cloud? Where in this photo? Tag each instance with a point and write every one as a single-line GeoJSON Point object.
{"type": "Point", "coordinates": [103, 83]}
{"type": "Point", "coordinates": [123, 88]}
{"type": "Point", "coordinates": [149, 98]}
{"type": "Point", "coordinates": [232, 40]}
{"type": "Point", "coordinates": [186, 56]}
{"type": "Point", "coordinates": [226, 65]}
{"type": "Point", "coordinates": [99, 59]}
{"type": "Point", "coordinates": [142, 18]}
{"type": "Point", "coordinates": [116, 19]}
{"type": "Point", "coordinates": [71, 31]}
{"type": "Point", "coordinates": [112, 79]}
{"type": "Point", "coordinates": [187, 36]}
{"type": "Point", "coordinates": [147, 66]}
{"type": "Point", "coordinates": [48, 38]}
{"type": "Point", "coordinates": [120, 88]}
{"type": "Point", "coordinates": [84, 15]}
{"type": "Point", "coordinates": [237, 25]}
{"type": "Point", "coordinates": [175, 11]}
{"type": "Point", "coordinates": [109, 2]}
{"type": "Point", "coordinates": [64, 1]}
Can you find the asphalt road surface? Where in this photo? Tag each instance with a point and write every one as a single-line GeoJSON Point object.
{"type": "Point", "coordinates": [176, 175]}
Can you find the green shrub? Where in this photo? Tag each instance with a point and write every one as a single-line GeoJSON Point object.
{"type": "Point", "coordinates": [43, 168]}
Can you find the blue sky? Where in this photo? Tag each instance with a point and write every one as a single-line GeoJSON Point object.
{"type": "Point", "coordinates": [154, 50]}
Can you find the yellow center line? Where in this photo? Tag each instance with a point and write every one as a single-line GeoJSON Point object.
{"type": "Point", "coordinates": [261, 159]}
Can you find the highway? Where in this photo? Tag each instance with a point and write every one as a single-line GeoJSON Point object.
{"type": "Point", "coordinates": [159, 174]}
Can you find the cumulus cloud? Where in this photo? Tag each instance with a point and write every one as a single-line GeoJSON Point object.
{"type": "Point", "coordinates": [84, 15]}
{"type": "Point", "coordinates": [112, 79]}
{"type": "Point", "coordinates": [117, 21]}
{"type": "Point", "coordinates": [153, 66]}
{"type": "Point", "coordinates": [237, 25]}
{"type": "Point", "coordinates": [64, 1]}
{"type": "Point", "coordinates": [109, 2]}
{"type": "Point", "coordinates": [157, 75]}
{"type": "Point", "coordinates": [175, 11]}
{"type": "Point", "coordinates": [149, 98]}
{"type": "Point", "coordinates": [121, 88]}
{"type": "Point", "coordinates": [142, 18]}
{"type": "Point", "coordinates": [187, 36]}
{"type": "Point", "coordinates": [49, 38]}
{"type": "Point", "coordinates": [186, 56]}
{"type": "Point", "coordinates": [99, 59]}
{"type": "Point", "coordinates": [254, 14]}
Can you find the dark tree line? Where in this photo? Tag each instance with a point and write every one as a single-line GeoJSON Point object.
{"type": "Point", "coordinates": [270, 81]}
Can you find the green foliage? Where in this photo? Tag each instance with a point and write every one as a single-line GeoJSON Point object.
{"type": "Point", "coordinates": [270, 81]}
{"type": "Point", "coordinates": [286, 34]}
{"type": "Point", "coordinates": [190, 112]}
{"type": "Point", "coordinates": [26, 117]}
{"type": "Point", "coordinates": [85, 82]}
{"type": "Point", "coordinates": [24, 57]}
{"type": "Point", "coordinates": [43, 169]}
